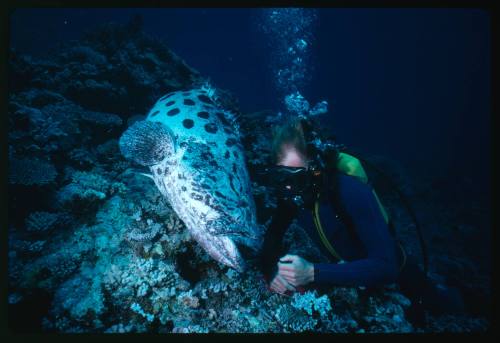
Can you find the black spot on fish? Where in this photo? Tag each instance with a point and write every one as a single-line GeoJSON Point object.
{"type": "Point", "coordinates": [196, 196]}
{"type": "Point", "coordinates": [183, 188]}
{"type": "Point", "coordinates": [231, 178]}
{"type": "Point", "coordinates": [217, 208]}
{"type": "Point", "coordinates": [170, 103]}
{"type": "Point", "coordinates": [220, 195]}
{"type": "Point", "coordinates": [203, 114]}
{"type": "Point", "coordinates": [196, 165]}
{"type": "Point", "coordinates": [181, 177]}
{"type": "Point", "coordinates": [188, 102]}
{"type": "Point", "coordinates": [166, 96]}
{"type": "Point", "coordinates": [211, 128]}
{"type": "Point", "coordinates": [227, 154]}
{"type": "Point", "coordinates": [165, 171]}
{"type": "Point", "coordinates": [154, 113]}
{"type": "Point", "coordinates": [207, 155]}
{"type": "Point", "coordinates": [212, 177]}
{"type": "Point", "coordinates": [234, 168]}
{"type": "Point", "coordinates": [235, 153]}
{"type": "Point", "coordinates": [207, 200]}
{"type": "Point", "coordinates": [183, 144]}
{"type": "Point", "coordinates": [205, 186]}
{"type": "Point", "coordinates": [222, 118]}
{"type": "Point", "coordinates": [188, 123]}
{"type": "Point", "coordinates": [173, 112]}
{"type": "Point", "coordinates": [196, 188]}
{"type": "Point", "coordinates": [228, 131]}
{"type": "Point", "coordinates": [158, 171]}
{"type": "Point", "coordinates": [242, 203]}
{"type": "Point", "coordinates": [230, 142]}
{"type": "Point", "coordinates": [213, 163]}
{"type": "Point", "coordinates": [205, 99]}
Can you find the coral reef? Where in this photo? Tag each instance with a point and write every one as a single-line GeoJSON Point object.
{"type": "Point", "coordinates": [294, 320]}
{"type": "Point", "coordinates": [108, 65]}
{"type": "Point", "coordinates": [308, 302]}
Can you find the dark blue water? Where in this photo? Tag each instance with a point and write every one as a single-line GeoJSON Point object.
{"type": "Point", "coordinates": [411, 84]}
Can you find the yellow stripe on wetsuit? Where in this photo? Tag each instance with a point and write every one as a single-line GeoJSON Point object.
{"type": "Point", "coordinates": [326, 242]}
{"type": "Point", "coordinates": [321, 233]}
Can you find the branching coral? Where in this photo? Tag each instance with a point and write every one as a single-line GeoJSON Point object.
{"type": "Point", "coordinates": [74, 197]}
{"type": "Point", "coordinates": [294, 320]}
{"type": "Point", "coordinates": [308, 301]}
{"type": "Point", "coordinates": [138, 309]}
{"type": "Point", "coordinates": [144, 233]}
{"type": "Point", "coordinates": [187, 299]}
{"type": "Point", "coordinates": [81, 295]}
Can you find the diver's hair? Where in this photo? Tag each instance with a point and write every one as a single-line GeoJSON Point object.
{"type": "Point", "coordinates": [290, 133]}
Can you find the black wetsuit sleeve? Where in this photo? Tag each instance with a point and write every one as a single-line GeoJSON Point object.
{"type": "Point", "coordinates": [272, 248]}
{"type": "Point", "coordinates": [381, 264]}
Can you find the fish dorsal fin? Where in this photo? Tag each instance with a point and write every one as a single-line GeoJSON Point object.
{"type": "Point", "coordinates": [232, 118]}
{"type": "Point", "coordinates": [147, 142]}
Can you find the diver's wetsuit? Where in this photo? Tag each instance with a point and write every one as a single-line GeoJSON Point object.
{"type": "Point", "coordinates": [372, 256]}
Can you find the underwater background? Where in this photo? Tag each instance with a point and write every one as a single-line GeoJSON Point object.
{"type": "Point", "coordinates": [95, 247]}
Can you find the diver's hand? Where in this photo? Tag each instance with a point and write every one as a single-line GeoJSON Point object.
{"type": "Point", "coordinates": [280, 285]}
{"type": "Point", "coordinates": [296, 270]}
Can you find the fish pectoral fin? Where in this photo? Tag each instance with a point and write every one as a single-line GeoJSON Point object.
{"type": "Point", "coordinates": [147, 175]}
{"type": "Point", "coordinates": [147, 142]}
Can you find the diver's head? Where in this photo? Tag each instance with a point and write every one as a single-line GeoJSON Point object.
{"type": "Point", "coordinates": [291, 157]}
{"type": "Point", "coordinates": [289, 145]}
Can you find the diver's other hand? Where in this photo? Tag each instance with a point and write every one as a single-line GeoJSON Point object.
{"type": "Point", "coordinates": [296, 270]}
{"type": "Point", "coordinates": [280, 285]}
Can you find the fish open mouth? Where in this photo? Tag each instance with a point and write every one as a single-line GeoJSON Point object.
{"type": "Point", "coordinates": [248, 245]}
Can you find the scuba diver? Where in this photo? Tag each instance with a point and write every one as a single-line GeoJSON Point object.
{"type": "Point", "coordinates": [330, 196]}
